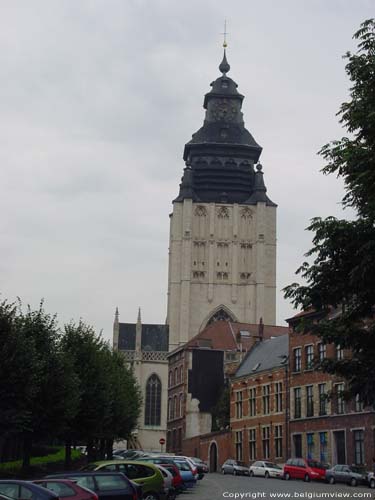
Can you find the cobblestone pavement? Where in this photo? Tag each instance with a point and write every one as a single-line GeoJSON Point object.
{"type": "Point", "coordinates": [219, 487]}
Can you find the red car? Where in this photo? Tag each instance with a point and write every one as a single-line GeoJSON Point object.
{"type": "Point", "coordinates": [177, 481]}
{"type": "Point", "coordinates": [67, 489]}
{"type": "Point", "coordinates": [299, 468]}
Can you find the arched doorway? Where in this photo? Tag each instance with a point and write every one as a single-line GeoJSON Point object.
{"type": "Point", "coordinates": [213, 457]}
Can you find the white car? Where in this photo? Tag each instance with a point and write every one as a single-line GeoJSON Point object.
{"type": "Point", "coordinates": [371, 479]}
{"type": "Point", "coordinates": [265, 469]}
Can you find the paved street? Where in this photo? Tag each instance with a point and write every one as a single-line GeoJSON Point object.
{"type": "Point", "coordinates": [217, 487]}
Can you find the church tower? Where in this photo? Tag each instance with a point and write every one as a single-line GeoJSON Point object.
{"type": "Point", "coordinates": [222, 248]}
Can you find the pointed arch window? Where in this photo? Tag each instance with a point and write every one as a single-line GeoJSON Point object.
{"type": "Point", "coordinates": [153, 401]}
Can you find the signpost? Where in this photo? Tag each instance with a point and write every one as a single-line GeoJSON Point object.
{"type": "Point", "coordinates": [161, 442]}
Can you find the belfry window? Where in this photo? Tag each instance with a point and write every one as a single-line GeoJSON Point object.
{"type": "Point", "coordinates": [153, 401]}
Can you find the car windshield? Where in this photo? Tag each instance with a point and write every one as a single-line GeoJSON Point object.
{"type": "Point", "coordinates": [184, 466]}
{"type": "Point", "coordinates": [358, 470]}
{"type": "Point", "coordinates": [89, 467]}
{"type": "Point", "coordinates": [271, 465]}
{"type": "Point", "coordinates": [315, 464]}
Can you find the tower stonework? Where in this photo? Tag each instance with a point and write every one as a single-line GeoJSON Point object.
{"type": "Point", "coordinates": [222, 248]}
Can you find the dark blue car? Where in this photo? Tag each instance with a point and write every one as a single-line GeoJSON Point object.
{"type": "Point", "coordinates": [24, 490]}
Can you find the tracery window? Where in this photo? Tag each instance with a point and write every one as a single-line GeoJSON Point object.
{"type": "Point", "coordinates": [153, 401]}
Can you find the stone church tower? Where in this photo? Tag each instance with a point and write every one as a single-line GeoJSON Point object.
{"type": "Point", "coordinates": [222, 249]}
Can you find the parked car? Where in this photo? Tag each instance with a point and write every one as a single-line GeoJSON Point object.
{"type": "Point", "coordinates": [299, 468]}
{"type": "Point", "coordinates": [145, 474]}
{"type": "Point", "coordinates": [200, 464]}
{"type": "Point", "coordinates": [371, 479]}
{"type": "Point", "coordinates": [20, 490]}
{"type": "Point", "coordinates": [234, 467]}
{"type": "Point", "coordinates": [349, 474]}
{"type": "Point", "coordinates": [157, 459]}
{"type": "Point", "coordinates": [177, 481]}
{"type": "Point", "coordinates": [188, 477]}
{"type": "Point", "coordinates": [265, 469]}
{"type": "Point", "coordinates": [67, 489]}
{"type": "Point", "coordinates": [169, 489]}
{"type": "Point", "coordinates": [107, 485]}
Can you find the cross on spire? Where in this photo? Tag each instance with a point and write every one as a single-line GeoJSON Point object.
{"type": "Point", "coordinates": [225, 45]}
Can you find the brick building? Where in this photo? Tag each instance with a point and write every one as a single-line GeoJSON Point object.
{"type": "Point", "coordinates": [197, 373]}
{"type": "Point", "coordinates": [323, 424]}
{"type": "Point", "coordinates": [259, 417]}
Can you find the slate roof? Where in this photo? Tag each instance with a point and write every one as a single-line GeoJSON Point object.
{"type": "Point", "coordinates": [265, 356]}
{"type": "Point", "coordinates": [221, 155]}
{"type": "Point", "coordinates": [154, 337]}
{"type": "Point", "coordinates": [226, 334]}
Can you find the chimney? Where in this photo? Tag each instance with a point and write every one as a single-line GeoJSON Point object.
{"type": "Point", "coordinates": [261, 329]}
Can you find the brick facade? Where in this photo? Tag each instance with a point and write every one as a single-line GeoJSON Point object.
{"type": "Point", "coordinates": [323, 425]}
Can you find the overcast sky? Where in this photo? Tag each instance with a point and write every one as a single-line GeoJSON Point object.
{"type": "Point", "coordinates": [97, 100]}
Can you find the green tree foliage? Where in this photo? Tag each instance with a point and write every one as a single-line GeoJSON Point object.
{"type": "Point", "coordinates": [340, 273]}
{"type": "Point", "coordinates": [221, 411]}
{"type": "Point", "coordinates": [58, 385]}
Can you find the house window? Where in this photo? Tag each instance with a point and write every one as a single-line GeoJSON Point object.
{"type": "Point", "coordinates": [309, 401]}
{"type": "Point", "coordinates": [252, 444]}
{"type": "Point", "coordinates": [153, 401]}
{"type": "Point", "coordinates": [322, 351]}
{"type": "Point", "coordinates": [181, 374]}
{"type": "Point", "coordinates": [266, 442]}
{"type": "Point", "coordinates": [339, 353]}
{"type": "Point", "coordinates": [339, 396]}
{"type": "Point", "coordinates": [359, 447]}
{"type": "Point", "coordinates": [176, 376]}
{"type": "Point", "coordinates": [181, 402]}
{"type": "Point", "coordinates": [170, 409]}
{"type": "Point", "coordinates": [266, 399]}
{"type": "Point", "coordinates": [239, 404]}
{"type": "Point", "coordinates": [310, 445]}
{"type": "Point", "coordinates": [176, 407]}
{"type": "Point", "coordinates": [170, 381]}
{"type": "Point", "coordinates": [309, 351]}
{"type": "Point", "coordinates": [252, 402]}
{"type": "Point", "coordinates": [278, 441]}
{"type": "Point", "coordinates": [239, 445]}
{"type": "Point", "coordinates": [297, 359]}
{"type": "Point", "coordinates": [323, 440]}
{"type": "Point", "coordinates": [322, 399]}
{"type": "Point", "coordinates": [297, 402]}
{"type": "Point", "coordinates": [278, 397]}
{"type": "Point", "coordinates": [358, 403]}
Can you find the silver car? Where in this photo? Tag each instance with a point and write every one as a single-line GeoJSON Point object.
{"type": "Point", "coordinates": [265, 469]}
{"type": "Point", "coordinates": [349, 474]}
{"type": "Point", "coordinates": [234, 467]}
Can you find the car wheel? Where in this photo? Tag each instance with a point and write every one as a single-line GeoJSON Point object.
{"type": "Point", "coordinates": [331, 480]}
{"type": "Point", "coordinates": [251, 473]}
{"type": "Point", "coordinates": [150, 496]}
{"type": "Point", "coordinates": [307, 478]}
{"type": "Point", "coordinates": [286, 476]}
{"type": "Point", "coordinates": [267, 474]}
{"type": "Point", "coordinates": [353, 481]}
{"type": "Point", "coordinates": [234, 472]}
{"type": "Point", "coordinates": [222, 471]}
{"type": "Point", "coordinates": [372, 483]}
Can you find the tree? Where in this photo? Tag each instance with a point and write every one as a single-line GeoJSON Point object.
{"type": "Point", "coordinates": [221, 411]}
{"type": "Point", "coordinates": [341, 271]}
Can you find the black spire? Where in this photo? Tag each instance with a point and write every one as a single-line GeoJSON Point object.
{"type": "Point", "coordinates": [224, 65]}
{"type": "Point", "coordinates": [259, 189]}
{"type": "Point", "coordinates": [221, 155]}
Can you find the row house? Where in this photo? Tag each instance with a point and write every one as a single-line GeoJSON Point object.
{"type": "Point", "coordinates": [323, 424]}
{"type": "Point", "coordinates": [198, 372]}
{"type": "Point", "coordinates": [259, 403]}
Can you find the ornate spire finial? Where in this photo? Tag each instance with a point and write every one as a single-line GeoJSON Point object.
{"type": "Point", "coordinates": [139, 315]}
{"type": "Point", "coordinates": [225, 33]}
{"type": "Point", "coordinates": [224, 65]}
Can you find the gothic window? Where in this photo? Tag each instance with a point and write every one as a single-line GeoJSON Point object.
{"type": "Point", "coordinates": [200, 211]}
{"type": "Point", "coordinates": [220, 315]}
{"type": "Point", "coordinates": [223, 213]}
{"type": "Point", "coordinates": [246, 213]}
{"type": "Point", "coordinates": [153, 401]}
